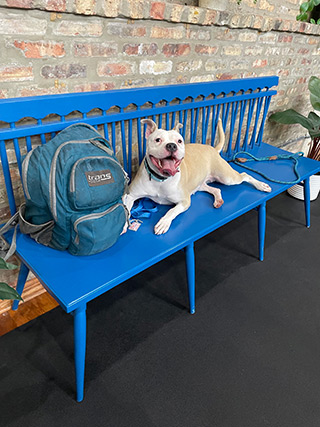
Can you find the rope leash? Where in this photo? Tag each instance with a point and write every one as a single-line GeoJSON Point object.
{"type": "Point", "coordinates": [294, 157]}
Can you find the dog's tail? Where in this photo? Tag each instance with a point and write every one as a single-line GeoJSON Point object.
{"type": "Point", "coordinates": [222, 137]}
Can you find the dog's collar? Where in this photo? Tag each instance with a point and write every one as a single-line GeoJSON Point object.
{"type": "Point", "coordinates": [152, 174]}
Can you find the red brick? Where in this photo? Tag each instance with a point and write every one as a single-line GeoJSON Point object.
{"type": "Point", "coordinates": [306, 61]}
{"type": "Point", "coordinates": [56, 5]}
{"type": "Point", "coordinates": [155, 67]}
{"type": "Point", "coordinates": [115, 68]}
{"type": "Point", "coordinates": [205, 50]}
{"type": "Point", "coordinates": [157, 10]}
{"type": "Point", "coordinates": [187, 66]}
{"type": "Point", "coordinates": [40, 49]}
{"type": "Point", "coordinates": [258, 21]}
{"type": "Point", "coordinates": [15, 72]}
{"type": "Point", "coordinates": [225, 76]}
{"type": "Point", "coordinates": [198, 34]}
{"type": "Point", "coordinates": [301, 81]}
{"type": "Point", "coordinates": [258, 63]}
{"type": "Point", "coordinates": [85, 7]}
{"type": "Point", "coordinates": [89, 87]}
{"type": "Point", "coordinates": [286, 25]}
{"type": "Point", "coordinates": [176, 49]}
{"type": "Point", "coordinates": [126, 30]}
{"type": "Point", "coordinates": [284, 38]}
{"type": "Point", "coordinates": [254, 50]}
{"type": "Point", "coordinates": [95, 49]}
{"type": "Point", "coordinates": [304, 51]}
{"type": "Point", "coordinates": [22, 24]}
{"type": "Point", "coordinates": [211, 17]}
{"type": "Point", "coordinates": [177, 32]}
{"type": "Point", "coordinates": [134, 9]}
{"type": "Point", "coordinates": [176, 12]}
{"type": "Point", "coordinates": [312, 40]}
{"type": "Point", "coordinates": [64, 71]}
{"type": "Point", "coordinates": [141, 49]}
{"type": "Point", "coordinates": [21, 4]}
{"type": "Point", "coordinates": [283, 73]}
{"type": "Point", "coordinates": [226, 35]}
{"type": "Point", "coordinates": [302, 27]}
{"type": "Point", "coordinates": [79, 28]}
{"type": "Point", "coordinates": [111, 8]}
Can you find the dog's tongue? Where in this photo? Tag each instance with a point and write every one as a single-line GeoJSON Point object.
{"type": "Point", "coordinates": [168, 167]}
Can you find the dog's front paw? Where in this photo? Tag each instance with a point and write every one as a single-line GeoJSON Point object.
{"type": "Point", "coordinates": [265, 187]}
{"type": "Point", "coordinates": [218, 203]}
{"type": "Point", "coordinates": [162, 226]}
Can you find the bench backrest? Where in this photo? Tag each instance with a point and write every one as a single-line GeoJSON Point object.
{"type": "Point", "coordinates": [242, 105]}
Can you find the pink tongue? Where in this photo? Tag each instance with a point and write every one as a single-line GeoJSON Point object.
{"type": "Point", "coordinates": [168, 167]}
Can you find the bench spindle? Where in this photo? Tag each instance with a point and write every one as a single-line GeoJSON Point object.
{"type": "Point", "coordinates": [123, 143]}
{"type": "Point", "coordinates": [7, 177]}
{"type": "Point", "coordinates": [28, 143]}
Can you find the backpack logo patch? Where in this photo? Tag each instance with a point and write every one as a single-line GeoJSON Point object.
{"type": "Point", "coordinates": [96, 178]}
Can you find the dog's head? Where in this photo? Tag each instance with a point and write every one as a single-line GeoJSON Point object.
{"type": "Point", "coordinates": [165, 149]}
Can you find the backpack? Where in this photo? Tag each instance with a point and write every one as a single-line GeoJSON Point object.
{"type": "Point", "coordinates": [74, 186]}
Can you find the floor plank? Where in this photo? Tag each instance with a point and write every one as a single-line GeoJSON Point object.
{"type": "Point", "coordinates": [27, 311]}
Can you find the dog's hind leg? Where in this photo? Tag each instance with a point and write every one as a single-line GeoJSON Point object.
{"type": "Point", "coordinates": [216, 192]}
{"type": "Point", "coordinates": [231, 177]}
{"type": "Point", "coordinates": [259, 185]}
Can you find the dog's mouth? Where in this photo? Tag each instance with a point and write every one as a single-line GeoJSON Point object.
{"type": "Point", "coordinates": [167, 166]}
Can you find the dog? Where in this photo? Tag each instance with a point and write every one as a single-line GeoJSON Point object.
{"type": "Point", "coordinates": [172, 171]}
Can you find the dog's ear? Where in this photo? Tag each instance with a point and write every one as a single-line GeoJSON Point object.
{"type": "Point", "coordinates": [177, 127]}
{"type": "Point", "coordinates": [151, 126]}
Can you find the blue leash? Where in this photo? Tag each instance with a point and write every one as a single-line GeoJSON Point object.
{"type": "Point", "coordinates": [293, 157]}
{"type": "Point", "coordinates": [143, 208]}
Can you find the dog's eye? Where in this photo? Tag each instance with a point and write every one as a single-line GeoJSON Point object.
{"type": "Point", "coordinates": [158, 139]}
{"type": "Point", "coordinates": [179, 140]}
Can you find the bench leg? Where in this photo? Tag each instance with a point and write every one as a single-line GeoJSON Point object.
{"type": "Point", "coordinates": [80, 331]}
{"type": "Point", "coordinates": [306, 191]}
{"type": "Point", "coordinates": [23, 274]}
{"type": "Point", "coordinates": [190, 265]}
{"type": "Point", "coordinates": [262, 229]}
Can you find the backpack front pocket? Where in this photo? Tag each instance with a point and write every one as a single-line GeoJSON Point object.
{"type": "Point", "coordinates": [98, 231]}
{"type": "Point", "coordinates": [94, 182]}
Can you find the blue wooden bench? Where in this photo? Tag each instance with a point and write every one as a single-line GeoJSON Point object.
{"type": "Point", "coordinates": [75, 281]}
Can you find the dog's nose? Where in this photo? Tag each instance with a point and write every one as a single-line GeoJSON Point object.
{"type": "Point", "coordinates": [172, 147]}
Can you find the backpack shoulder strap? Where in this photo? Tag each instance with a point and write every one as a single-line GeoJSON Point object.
{"type": "Point", "coordinates": [41, 233]}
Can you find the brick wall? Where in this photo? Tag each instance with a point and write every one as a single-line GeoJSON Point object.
{"type": "Point", "coordinates": [55, 46]}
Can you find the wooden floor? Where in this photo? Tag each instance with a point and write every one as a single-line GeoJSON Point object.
{"type": "Point", "coordinates": [27, 311]}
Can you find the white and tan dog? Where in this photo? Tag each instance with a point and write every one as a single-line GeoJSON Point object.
{"type": "Point", "coordinates": [172, 171]}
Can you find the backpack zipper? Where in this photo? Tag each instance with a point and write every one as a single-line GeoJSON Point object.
{"type": "Point", "coordinates": [25, 165]}
{"type": "Point", "coordinates": [95, 216]}
{"type": "Point", "coordinates": [52, 177]}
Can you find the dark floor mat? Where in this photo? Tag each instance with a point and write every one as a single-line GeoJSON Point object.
{"type": "Point", "coordinates": [248, 357]}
